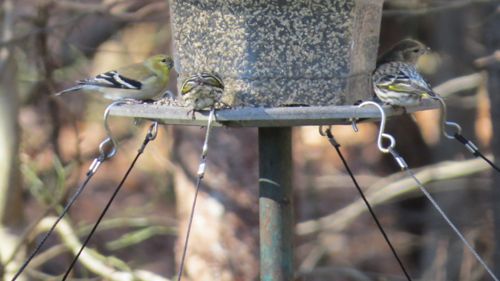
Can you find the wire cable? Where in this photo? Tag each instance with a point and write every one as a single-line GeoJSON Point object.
{"type": "Point", "coordinates": [389, 148]}
{"type": "Point", "coordinates": [404, 167]}
{"type": "Point", "coordinates": [457, 135]}
{"type": "Point", "coordinates": [107, 150]}
{"type": "Point", "coordinates": [151, 135]}
{"type": "Point", "coordinates": [201, 173]}
{"type": "Point", "coordinates": [336, 145]}
{"type": "Point", "coordinates": [474, 150]}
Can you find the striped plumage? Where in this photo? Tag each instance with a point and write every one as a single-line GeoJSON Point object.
{"type": "Point", "coordinates": [140, 81]}
{"type": "Point", "coordinates": [396, 80]}
{"type": "Point", "coordinates": [399, 83]}
{"type": "Point", "coordinates": [203, 90]}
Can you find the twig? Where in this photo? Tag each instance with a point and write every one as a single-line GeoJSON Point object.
{"type": "Point", "coordinates": [385, 191]}
{"type": "Point", "coordinates": [7, 30]}
{"type": "Point", "coordinates": [325, 273]}
{"type": "Point", "coordinates": [34, 31]}
{"type": "Point", "coordinates": [48, 255]}
{"type": "Point", "coordinates": [458, 84]}
{"type": "Point", "coordinates": [430, 10]}
{"type": "Point", "coordinates": [113, 9]}
{"type": "Point", "coordinates": [488, 60]}
{"type": "Point", "coordinates": [38, 275]}
{"type": "Point", "coordinates": [91, 259]}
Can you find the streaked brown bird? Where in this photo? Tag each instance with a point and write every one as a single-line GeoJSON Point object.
{"type": "Point", "coordinates": [396, 80]}
{"type": "Point", "coordinates": [202, 91]}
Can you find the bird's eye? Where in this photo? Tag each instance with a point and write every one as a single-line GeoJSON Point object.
{"type": "Point", "coordinates": [164, 60]}
{"type": "Point", "coordinates": [416, 50]}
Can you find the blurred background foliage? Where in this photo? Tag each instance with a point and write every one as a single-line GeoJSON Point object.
{"type": "Point", "coordinates": [47, 143]}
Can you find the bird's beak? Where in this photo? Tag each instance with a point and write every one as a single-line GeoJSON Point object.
{"type": "Point", "coordinates": [428, 50]}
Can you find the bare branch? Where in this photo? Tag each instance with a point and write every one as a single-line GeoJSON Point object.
{"type": "Point", "coordinates": [384, 191]}
{"type": "Point", "coordinates": [488, 60]}
{"type": "Point", "coordinates": [7, 30]}
{"type": "Point", "coordinates": [117, 9]}
{"type": "Point", "coordinates": [430, 10]}
{"type": "Point", "coordinates": [91, 259]}
{"type": "Point", "coordinates": [458, 84]}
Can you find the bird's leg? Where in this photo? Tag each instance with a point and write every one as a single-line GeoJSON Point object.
{"type": "Point", "coordinates": [191, 112]}
{"type": "Point", "coordinates": [404, 110]}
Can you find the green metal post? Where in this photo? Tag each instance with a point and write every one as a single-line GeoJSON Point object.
{"type": "Point", "coordinates": [275, 203]}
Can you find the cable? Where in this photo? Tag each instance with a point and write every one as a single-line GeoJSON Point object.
{"type": "Point", "coordinates": [336, 145]}
{"type": "Point", "coordinates": [404, 167]}
{"type": "Point", "coordinates": [151, 135]}
{"type": "Point", "coordinates": [201, 173]}
{"type": "Point", "coordinates": [474, 150]}
{"type": "Point", "coordinates": [104, 155]}
{"type": "Point", "coordinates": [458, 134]}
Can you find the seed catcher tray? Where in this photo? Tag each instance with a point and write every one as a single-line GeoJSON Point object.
{"type": "Point", "coordinates": [262, 116]}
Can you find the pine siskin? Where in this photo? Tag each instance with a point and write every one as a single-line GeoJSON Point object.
{"type": "Point", "coordinates": [396, 80]}
{"type": "Point", "coordinates": [202, 90]}
{"type": "Point", "coordinates": [140, 81]}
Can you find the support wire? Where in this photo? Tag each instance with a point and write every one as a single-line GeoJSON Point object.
{"type": "Point", "coordinates": [107, 150]}
{"type": "Point", "coordinates": [458, 134]}
{"type": "Point", "coordinates": [200, 173]}
{"type": "Point", "coordinates": [474, 150]}
{"type": "Point", "coordinates": [151, 135]}
{"type": "Point", "coordinates": [404, 167]}
{"type": "Point", "coordinates": [336, 145]}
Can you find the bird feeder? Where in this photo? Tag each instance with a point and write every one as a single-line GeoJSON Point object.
{"type": "Point", "coordinates": [284, 63]}
{"type": "Point", "coordinates": [280, 53]}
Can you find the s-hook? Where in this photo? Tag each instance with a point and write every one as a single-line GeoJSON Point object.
{"type": "Point", "coordinates": [107, 149]}
{"type": "Point", "coordinates": [404, 167]}
{"type": "Point", "coordinates": [457, 135]}
{"type": "Point", "coordinates": [150, 135]}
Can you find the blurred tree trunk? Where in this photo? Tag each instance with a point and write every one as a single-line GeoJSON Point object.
{"type": "Point", "coordinates": [492, 40]}
{"type": "Point", "coordinates": [224, 238]}
{"type": "Point", "coordinates": [10, 189]}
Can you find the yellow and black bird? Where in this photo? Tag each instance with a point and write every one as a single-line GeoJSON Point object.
{"type": "Point", "coordinates": [140, 81]}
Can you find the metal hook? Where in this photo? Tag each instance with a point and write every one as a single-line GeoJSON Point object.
{"type": "Point", "coordinates": [107, 151]}
{"type": "Point", "coordinates": [381, 134]}
{"type": "Point", "coordinates": [106, 116]}
{"type": "Point", "coordinates": [153, 131]}
{"type": "Point", "coordinates": [444, 122]}
{"type": "Point", "coordinates": [354, 125]}
{"type": "Point", "coordinates": [323, 132]}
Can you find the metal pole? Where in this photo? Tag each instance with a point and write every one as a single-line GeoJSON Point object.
{"type": "Point", "coordinates": [275, 203]}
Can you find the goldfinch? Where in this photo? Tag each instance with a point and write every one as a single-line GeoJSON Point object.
{"type": "Point", "coordinates": [202, 91]}
{"type": "Point", "coordinates": [396, 80]}
{"type": "Point", "coordinates": [140, 81]}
